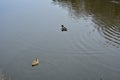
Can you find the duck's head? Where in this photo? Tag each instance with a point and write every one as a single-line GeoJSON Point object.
{"type": "Point", "coordinates": [62, 25]}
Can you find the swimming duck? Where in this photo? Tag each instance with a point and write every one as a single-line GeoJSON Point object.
{"type": "Point", "coordinates": [63, 28]}
{"type": "Point", "coordinates": [35, 62]}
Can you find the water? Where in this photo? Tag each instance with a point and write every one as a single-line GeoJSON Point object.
{"type": "Point", "coordinates": [89, 50]}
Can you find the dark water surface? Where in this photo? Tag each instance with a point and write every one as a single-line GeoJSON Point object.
{"type": "Point", "coordinates": [89, 50]}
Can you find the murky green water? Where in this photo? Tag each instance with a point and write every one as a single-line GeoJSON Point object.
{"type": "Point", "coordinates": [89, 50]}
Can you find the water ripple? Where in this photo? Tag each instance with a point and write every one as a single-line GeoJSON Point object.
{"type": "Point", "coordinates": [112, 34]}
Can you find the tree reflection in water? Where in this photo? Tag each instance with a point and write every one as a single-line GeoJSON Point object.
{"type": "Point", "coordinates": [105, 14]}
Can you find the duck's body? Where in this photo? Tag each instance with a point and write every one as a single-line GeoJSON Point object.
{"type": "Point", "coordinates": [35, 62]}
{"type": "Point", "coordinates": [63, 28]}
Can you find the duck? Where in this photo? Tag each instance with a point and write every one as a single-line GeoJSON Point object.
{"type": "Point", "coordinates": [35, 62]}
{"type": "Point", "coordinates": [63, 28]}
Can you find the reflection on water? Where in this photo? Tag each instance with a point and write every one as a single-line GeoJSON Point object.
{"type": "Point", "coordinates": [32, 28]}
{"type": "Point", "coordinates": [105, 14]}
{"type": "Point", "coordinates": [75, 7]}
{"type": "Point", "coordinates": [3, 77]}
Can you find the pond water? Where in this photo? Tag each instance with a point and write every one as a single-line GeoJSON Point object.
{"type": "Point", "coordinates": [88, 50]}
